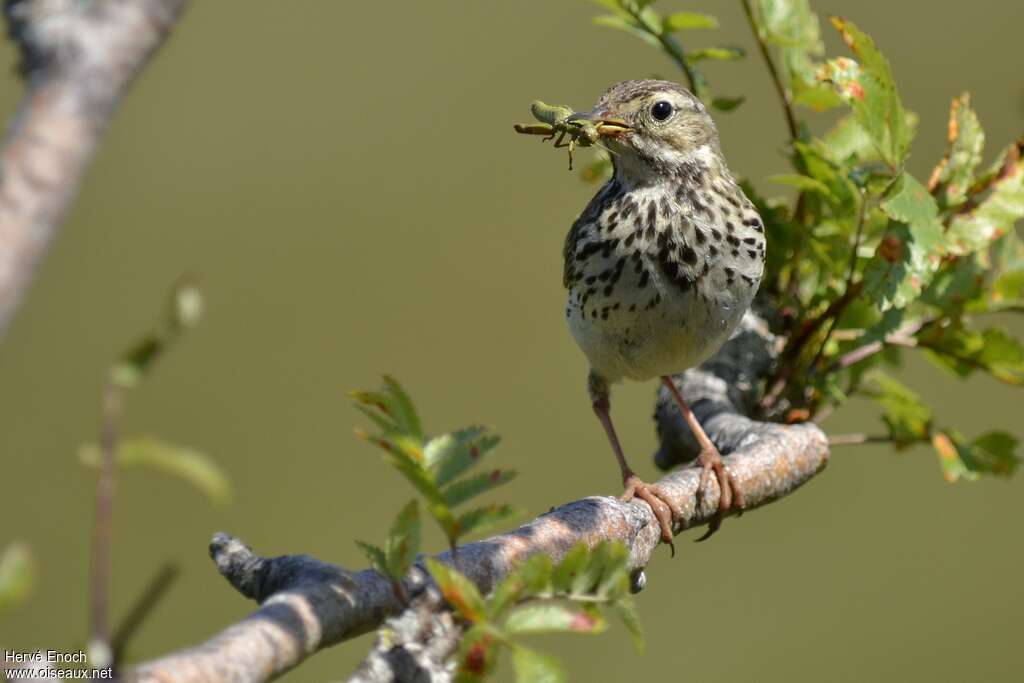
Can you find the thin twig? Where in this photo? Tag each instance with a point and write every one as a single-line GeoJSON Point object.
{"type": "Point", "coordinates": [851, 273]}
{"type": "Point", "coordinates": [106, 485]}
{"type": "Point", "coordinates": [780, 88]}
{"type": "Point", "coordinates": [857, 439]}
{"type": "Point", "coordinates": [672, 48]}
{"type": "Point", "coordinates": [144, 605]}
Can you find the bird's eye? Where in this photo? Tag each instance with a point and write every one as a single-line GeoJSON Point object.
{"type": "Point", "coordinates": [661, 110]}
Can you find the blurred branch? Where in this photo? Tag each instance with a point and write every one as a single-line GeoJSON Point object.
{"type": "Point", "coordinates": [308, 604]}
{"type": "Point", "coordinates": [78, 59]}
{"type": "Point", "coordinates": [780, 87]}
{"type": "Point", "coordinates": [141, 609]}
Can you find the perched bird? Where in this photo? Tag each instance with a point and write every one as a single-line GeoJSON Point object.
{"type": "Point", "coordinates": [662, 263]}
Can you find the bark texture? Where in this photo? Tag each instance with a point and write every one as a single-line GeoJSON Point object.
{"type": "Point", "coordinates": [78, 59]}
{"type": "Point", "coordinates": [307, 604]}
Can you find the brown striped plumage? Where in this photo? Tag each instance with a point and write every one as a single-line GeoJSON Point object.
{"type": "Point", "coordinates": [665, 259]}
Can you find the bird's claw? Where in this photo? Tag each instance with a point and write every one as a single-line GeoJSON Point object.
{"type": "Point", "coordinates": [664, 508]}
{"type": "Point", "coordinates": [731, 494]}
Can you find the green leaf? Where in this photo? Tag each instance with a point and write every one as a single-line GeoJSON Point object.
{"type": "Point", "coordinates": [481, 519]}
{"type": "Point", "coordinates": [182, 312]}
{"type": "Point", "coordinates": [449, 456]}
{"type": "Point", "coordinates": [17, 574]}
{"type": "Point", "coordinates": [716, 53]}
{"type": "Point", "coordinates": [375, 556]}
{"type": "Point", "coordinates": [405, 412]}
{"type": "Point", "coordinates": [794, 28]}
{"type": "Point", "coordinates": [954, 175]}
{"type": "Point", "coordinates": [906, 415]}
{"type": "Point", "coordinates": [727, 103]}
{"type": "Point", "coordinates": [626, 610]}
{"type": "Point", "coordinates": [574, 562]}
{"type": "Point", "coordinates": [688, 20]}
{"type": "Point", "coordinates": [529, 579]}
{"type": "Point", "coordinates": [963, 350]}
{"type": "Point", "coordinates": [191, 466]}
{"type": "Point", "coordinates": [802, 182]}
{"type": "Point", "coordinates": [549, 617]}
{"type": "Point", "coordinates": [458, 591]}
{"type": "Point", "coordinates": [994, 216]}
{"type": "Point", "coordinates": [870, 91]}
{"type": "Point", "coordinates": [533, 667]}
{"type": "Point", "coordinates": [630, 26]}
{"type": "Point", "coordinates": [991, 453]}
{"type": "Point", "coordinates": [465, 489]}
{"type": "Point", "coordinates": [847, 142]}
{"type": "Point", "coordinates": [403, 540]}
{"type": "Point", "coordinates": [615, 574]}
{"type": "Point", "coordinates": [910, 252]}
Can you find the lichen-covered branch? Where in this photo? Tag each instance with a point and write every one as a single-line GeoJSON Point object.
{"type": "Point", "coordinates": [78, 59]}
{"type": "Point", "coordinates": [307, 604]}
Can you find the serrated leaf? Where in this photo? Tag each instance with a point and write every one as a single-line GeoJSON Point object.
{"type": "Point", "coordinates": [991, 453]}
{"type": "Point", "coordinates": [994, 216]}
{"type": "Point", "coordinates": [465, 489]}
{"type": "Point", "coordinates": [549, 617]}
{"type": "Point", "coordinates": [403, 540]}
{"type": "Point", "coordinates": [458, 591]}
{"type": "Point", "coordinates": [574, 562]}
{"type": "Point", "coordinates": [529, 579]}
{"type": "Point", "coordinates": [479, 520]}
{"type": "Point", "coordinates": [17, 574]}
{"type": "Point", "coordinates": [963, 351]}
{"type": "Point", "coordinates": [793, 28]}
{"type": "Point", "coordinates": [615, 574]}
{"type": "Point", "coordinates": [188, 465]}
{"type": "Point", "coordinates": [533, 667]}
{"type": "Point", "coordinates": [870, 91]}
{"type": "Point", "coordinates": [910, 252]}
{"type": "Point", "coordinates": [716, 53]}
{"type": "Point", "coordinates": [906, 415]}
{"type": "Point", "coordinates": [954, 175]}
{"type": "Point", "coordinates": [847, 142]}
{"type": "Point", "coordinates": [375, 556]}
{"type": "Point", "coordinates": [405, 411]}
{"type": "Point", "coordinates": [679, 21]}
{"type": "Point", "coordinates": [451, 455]}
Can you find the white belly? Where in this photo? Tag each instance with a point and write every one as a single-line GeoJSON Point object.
{"type": "Point", "coordinates": [679, 333]}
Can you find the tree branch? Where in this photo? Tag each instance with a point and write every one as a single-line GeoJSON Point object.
{"type": "Point", "coordinates": [78, 59]}
{"type": "Point", "coordinates": [308, 604]}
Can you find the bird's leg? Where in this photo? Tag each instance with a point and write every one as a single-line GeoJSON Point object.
{"type": "Point", "coordinates": [710, 459]}
{"type": "Point", "coordinates": [635, 488]}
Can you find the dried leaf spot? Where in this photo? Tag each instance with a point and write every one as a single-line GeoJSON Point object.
{"type": "Point", "coordinates": [891, 248]}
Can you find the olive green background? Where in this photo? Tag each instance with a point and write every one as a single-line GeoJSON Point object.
{"type": "Point", "coordinates": [343, 179]}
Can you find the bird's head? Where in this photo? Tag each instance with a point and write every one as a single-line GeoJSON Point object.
{"type": "Point", "coordinates": [654, 127]}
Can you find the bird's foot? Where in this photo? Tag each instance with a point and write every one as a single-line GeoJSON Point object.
{"type": "Point", "coordinates": [731, 494]}
{"type": "Point", "coordinates": [665, 511]}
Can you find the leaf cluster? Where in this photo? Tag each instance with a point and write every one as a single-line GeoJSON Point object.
{"type": "Point", "coordinates": [181, 313]}
{"type": "Point", "coordinates": [438, 468]}
{"type": "Point", "coordinates": [868, 262]}
{"type": "Point", "coordinates": [574, 596]}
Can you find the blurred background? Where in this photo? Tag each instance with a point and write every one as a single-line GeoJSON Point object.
{"type": "Point", "coordinates": [343, 181]}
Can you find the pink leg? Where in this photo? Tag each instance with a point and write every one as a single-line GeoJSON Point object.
{"type": "Point", "coordinates": [710, 460]}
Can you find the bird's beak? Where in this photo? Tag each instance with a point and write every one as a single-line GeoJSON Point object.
{"type": "Point", "coordinates": [607, 125]}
